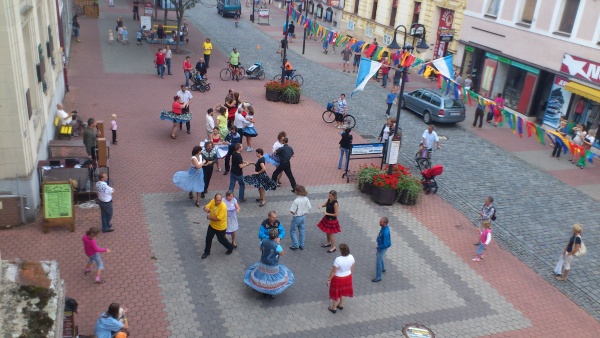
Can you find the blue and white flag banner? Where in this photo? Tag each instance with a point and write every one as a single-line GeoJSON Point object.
{"type": "Point", "coordinates": [444, 66]}
{"type": "Point", "coordinates": [366, 69]}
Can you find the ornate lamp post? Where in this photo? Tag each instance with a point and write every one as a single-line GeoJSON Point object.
{"type": "Point", "coordinates": [285, 39]}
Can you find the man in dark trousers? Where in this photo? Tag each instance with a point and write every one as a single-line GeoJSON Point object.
{"type": "Point", "coordinates": [237, 172]}
{"type": "Point", "coordinates": [216, 214]}
{"type": "Point", "coordinates": [202, 68]}
{"type": "Point", "coordinates": [90, 139]}
{"type": "Point", "coordinates": [210, 155]}
{"type": "Point", "coordinates": [285, 154]}
{"type": "Point", "coordinates": [232, 138]}
{"type": "Point", "coordinates": [136, 10]}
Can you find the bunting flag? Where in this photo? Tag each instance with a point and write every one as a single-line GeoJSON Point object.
{"type": "Point", "coordinates": [439, 81]}
{"type": "Point", "coordinates": [444, 84]}
{"type": "Point", "coordinates": [366, 69]}
{"type": "Point", "coordinates": [444, 66]}
{"type": "Point", "coordinates": [422, 70]}
{"type": "Point", "coordinates": [529, 126]}
{"type": "Point", "coordinates": [369, 51]}
{"type": "Point", "coordinates": [448, 84]}
{"type": "Point", "coordinates": [520, 126]}
{"type": "Point", "coordinates": [540, 135]}
{"type": "Point", "coordinates": [456, 96]}
{"type": "Point", "coordinates": [509, 120]}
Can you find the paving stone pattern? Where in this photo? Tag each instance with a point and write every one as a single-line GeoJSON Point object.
{"type": "Point", "coordinates": [535, 209]}
{"type": "Point", "coordinates": [445, 293]}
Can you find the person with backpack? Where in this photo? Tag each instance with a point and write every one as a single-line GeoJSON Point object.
{"type": "Point", "coordinates": [487, 213]}
{"type": "Point", "coordinates": [575, 247]}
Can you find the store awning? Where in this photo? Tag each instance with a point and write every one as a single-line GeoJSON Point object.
{"type": "Point", "coordinates": [585, 91]}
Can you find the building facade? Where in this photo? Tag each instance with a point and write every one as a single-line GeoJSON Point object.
{"type": "Point", "coordinates": [542, 56]}
{"type": "Point", "coordinates": [376, 19]}
{"type": "Point", "coordinates": [327, 13]}
{"type": "Point", "coordinates": [31, 85]}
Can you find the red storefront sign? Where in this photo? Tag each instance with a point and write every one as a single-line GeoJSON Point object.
{"type": "Point", "coordinates": [446, 20]}
{"type": "Point", "coordinates": [581, 68]}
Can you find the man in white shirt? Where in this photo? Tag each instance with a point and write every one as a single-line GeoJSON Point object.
{"type": "Point", "coordinates": [64, 117]}
{"type": "Point", "coordinates": [186, 97]}
{"type": "Point", "coordinates": [239, 120]}
{"type": "Point", "coordinates": [299, 208]}
{"type": "Point", "coordinates": [429, 138]}
{"type": "Point", "coordinates": [210, 123]}
{"type": "Point", "coordinates": [105, 202]}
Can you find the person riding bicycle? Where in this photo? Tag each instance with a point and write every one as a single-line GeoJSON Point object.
{"type": "Point", "coordinates": [429, 138]}
{"type": "Point", "coordinates": [342, 108]}
{"type": "Point", "coordinates": [289, 70]}
{"type": "Point", "coordinates": [234, 61]}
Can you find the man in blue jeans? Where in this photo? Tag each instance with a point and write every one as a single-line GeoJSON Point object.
{"type": "Point", "coordinates": [237, 172]}
{"type": "Point", "coordinates": [384, 241]}
{"type": "Point", "coordinates": [299, 208]}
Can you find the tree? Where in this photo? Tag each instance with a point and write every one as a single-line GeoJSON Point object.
{"type": "Point", "coordinates": [180, 7]}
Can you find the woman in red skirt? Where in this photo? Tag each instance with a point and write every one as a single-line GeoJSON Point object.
{"type": "Point", "coordinates": [329, 224]}
{"type": "Point", "coordinates": [340, 279]}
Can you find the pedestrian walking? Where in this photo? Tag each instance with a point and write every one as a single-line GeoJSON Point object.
{"type": "Point", "coordinates": [346, 55]}
{"type": "Point", "coordinates": [159, 61]}
{"type": "Point", "coordinates": [259, 179]}
{"type": "Point", "coordinates": [232, 138]}
{"type": "Point", "coordinates": [574, 245]}
{"type": "Point", "coordinates": [487, 213]}
{"type": "Point", "coordinates": [587, 145]}
{"type": "Point", "coordinates": [76, 27]}
{"type": "Point", "coordinates": [160, 33]}
{"type": "Point", "coordinates": [397, 78]}
{"type": "Point", "coordinates": [120, 29]}
{"type": "Point", "coordinates": [391, 99]}
{"type": "Point", "coordinates": [186, 97]}
{"type": "Point", "coordinates": [249, 131]}
{"type": "Point", "coordinates": [232, 222]}
{"type": "Point", "coordinates": [125, 36]}
{"type": "Point", "coordinates": [216, 214]}
{"type": "Point", "coordinates": [329, 224]}
{"type": "Point", "coordinates": [210, 122]}
{"type": "Point", "coordinates": [478, 115]}
{"type": "Point", "coordinates": [192, 180]}
{"type": "Point", "coordinates": [291, 31]}
{"type": "Point", "coordinates": [285, 154]}
{"type": "Point", "coordinates": [385, 71]}
{"type": "Point", "coordinates": [299, 208]}
{"type": "Point", "coordinates": [168, 56]}
{"type": "Point", "coordinates": [340, 279]}
{"type": "Point", "coordinates": [468, 82]}
{"type": "Point", "coordinates": [90, 139]}
{"type": "Point", "coordinates": [92, 251]}
{"type": "Point", "coordinates": [113, 128]}
{"type": "Point", "coordinates": [187, 69]}
{"type": "Point", "coordinates": [384, 242]}
{"type": "Point", "coordinates": [237, 171]}
{"type": "Point", "coordinates": [357, 57]}
{"type": "Point", "coordinates": [485, 236]}
{"type": "Point", "coordinates": [345, 145]}
{"type": "Point", "coordinates": [325, 45]}
{"type": "Point", "coordinates": [497, 111]}
{"type": "Point", "coordinates": [558, 146]}
{"type": "Point", "coordinates": [136, 10]}
{"type": "Point", "coordinates": [112, 323]}
{"type": "Point", "coordinates": [210, 155]}
{"type": "Point", "coordinates": [207, 46]}
{"type": "Point", "coordinates": [270, 223]}
{"type": "Point", "coordinates": [111, 37]}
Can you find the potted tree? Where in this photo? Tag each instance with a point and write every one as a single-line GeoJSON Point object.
{"type": "Point", "coordinates": [274, 90]}
{"type": "Point", "coordinates": [409, 190]}
{"type": "Point", "coordinates": [384, 188]}
{"type": "Point", "coordinates": [366, 173]}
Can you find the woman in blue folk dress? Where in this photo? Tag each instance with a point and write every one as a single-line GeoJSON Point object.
{"type": "Point", "coordinates": [268, 276]}
{"type": "Point", "coordinates": [193, 179]}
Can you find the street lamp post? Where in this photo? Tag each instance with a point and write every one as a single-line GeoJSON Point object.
{"type": "Point", "coordinates": [252, 15]}
{"type": "Point", "coordinates": [305, 28]}
{"type": "Point", "coordinates": [395, 143]}
{"type": "Point", "coordinates": [285, 39]}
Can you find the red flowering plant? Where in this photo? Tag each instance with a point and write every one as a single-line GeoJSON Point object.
{"type": "Point", "coordinates": [386, 181]}
{"type": "Point", "coordinates": [366, 173]}
{"type": "Point", "coordinates": [275, 86]}
{"type": "Point", "coordinates": [399, 169]}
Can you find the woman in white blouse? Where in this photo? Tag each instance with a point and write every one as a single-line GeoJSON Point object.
{"type": "Point", "coordinates": [340, 279]}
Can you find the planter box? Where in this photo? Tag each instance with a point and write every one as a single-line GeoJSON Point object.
{"type": "Point", "coordinates": [404, 199]}
{"type": "Point", "coordinates": [273, 96]}
{"type": "Point", "coordinates": [383, 196]}
{"type": "Point", "coordinates": [291, 100]}
{"type": "Point", "coordinates": [366, 188]}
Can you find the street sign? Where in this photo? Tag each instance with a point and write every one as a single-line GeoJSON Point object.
{"type": "Point", "coordinates": [367, 149]}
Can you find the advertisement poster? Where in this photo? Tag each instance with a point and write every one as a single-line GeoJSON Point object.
{"type": "Point", "coordinates": [558, 102]}
{"type": "Point", "coordinates": [445, 23]}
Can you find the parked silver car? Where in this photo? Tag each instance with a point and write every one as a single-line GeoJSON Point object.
{"type": "Point", "coordinates": [434, 107]}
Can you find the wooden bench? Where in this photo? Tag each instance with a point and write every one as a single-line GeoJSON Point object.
{"type": "Point", "coordinates": [63, 130]}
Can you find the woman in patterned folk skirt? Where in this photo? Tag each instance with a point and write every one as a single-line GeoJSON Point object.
{"type": "Point", "coordinates": [329, 223]}
{"type": "Point", "coordinates": [260, 179]}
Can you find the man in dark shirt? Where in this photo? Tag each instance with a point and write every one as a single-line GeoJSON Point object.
{"type": "Point", "coordinates": [210, 155]}
{"type": "Point", "coordinates": [237, 172]}
{"type": "Point", "coordinates": [285, 154]}
{"type": "Point", "coordinates": [201, 68]}
{"type": "Point", "coordinates": [90, 138]}
{"type": "Point", "coordinates": [232, 138]}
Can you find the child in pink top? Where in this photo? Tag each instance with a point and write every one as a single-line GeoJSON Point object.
{"type": "Point", "coordinates": [113, 127]}
{"type": "Point", "coordinates": [92, 250]}
{"type": "Point", "coordinates": [485, 236]}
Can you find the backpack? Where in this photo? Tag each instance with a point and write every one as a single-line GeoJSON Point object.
{"type": "Point", "coordinates": [582, 249]}
{"type": "Point", "coordinates": [493, 218]}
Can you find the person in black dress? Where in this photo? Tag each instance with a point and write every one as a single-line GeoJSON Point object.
{"type": "Point", "coordinates": [329, 223]}
{"type": "Point", "coordinates": [260, 179]}
{"type": "Point", "coordinates": [285, 154]}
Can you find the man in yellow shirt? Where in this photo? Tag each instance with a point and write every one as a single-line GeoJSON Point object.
{"type": "Point", "coordinates": [216, 214]}
{"type": "Point", "coordinates": [207, 49]}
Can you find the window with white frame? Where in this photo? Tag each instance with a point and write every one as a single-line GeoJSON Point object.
{"type": "Point", "coordinates": [493, 7]}
{"type": "Point", "coordinates": [569, 12]}
{"type": "Point", "coordinates": [528, 10]}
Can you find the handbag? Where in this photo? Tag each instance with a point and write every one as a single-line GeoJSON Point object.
{"type": "Point", "coordinates": [558, 267]}
{"type": "Point", "coordinates": [582, 249]}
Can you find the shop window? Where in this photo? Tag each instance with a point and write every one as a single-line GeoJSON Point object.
{"type": "Point", "coordinates": [528, 10]}
{"type": "Point", "coordinates": [374, 10]}
{"type": "Point", "coordinates": [393, 13]}
{"type": "Point", "coordinates": [329, 14]}
{"type": "Point", "coordinates": [356, 4]}
{"type": "Point", "coordinates": [493, 7]}
{"type": "Point", "coordinates": [570, 9]}
{"type": "Point", "coordinates": [518, 89]}
{"type": "Point", "coordinates": [319, 11]}
{"type": "Point", "coordinates": [416, 12]}
{"type": "Point", "coordinates": [311, 7]}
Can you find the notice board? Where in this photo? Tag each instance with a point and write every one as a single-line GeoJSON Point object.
{"type": "Point", "coordinates": [58, 205]}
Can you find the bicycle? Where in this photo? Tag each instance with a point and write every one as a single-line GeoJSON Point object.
{"type": "Point", "coordinates": [329, 116]}
{"type": "Point", "coordinates": [294, 77]}
{"type": "Point", "coordinates": [227, 73]}
{"type": "Point", "coordinates": [423, 158]}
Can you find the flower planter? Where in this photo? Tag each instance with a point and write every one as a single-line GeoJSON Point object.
{"type": "Point", "coordinates": [273, 95]}
{"type": "Point", "coordinates": [291, 99]}
{"type": "Point", "coordinates": [404, 199]}
{"type": "Point", "coordinates": [383, 196]}
{"type": "Point", "coordinates": [366, 188]}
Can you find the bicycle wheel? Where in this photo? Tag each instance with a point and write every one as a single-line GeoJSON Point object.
{"type": "Point", "coordinates": [328, 116]}
{"type": "Point", "coordinates": [261, 76]}
{"type": "Point", "coordinates": [277, 78]}
{"type": "Point", "coordinates": [349, 121]}
{"type": "Point", "coordinates": [241, 72]}
{"type": "Point", "coordinates": [423, 163]}
{"type": "Point", "coordinates": [299, 79]}
{"type": "Point", "coordinates": [225, 74]}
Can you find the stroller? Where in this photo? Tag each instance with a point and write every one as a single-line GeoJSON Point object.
{"type": "Point", "coordinates": [428, 180]}
{"type": "Point", "coordinates": [199, 83]}
{"type": "Point", "coordinates": [256, 71]}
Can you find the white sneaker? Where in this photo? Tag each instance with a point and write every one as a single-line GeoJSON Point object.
{"type": "Point", "coordinates": [249, 149]}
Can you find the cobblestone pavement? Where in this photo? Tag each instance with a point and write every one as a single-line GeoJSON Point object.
{"type": "Point", "coordinates": [155, 270]}
{"type": "Point", "coordinates": [537, 207]}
